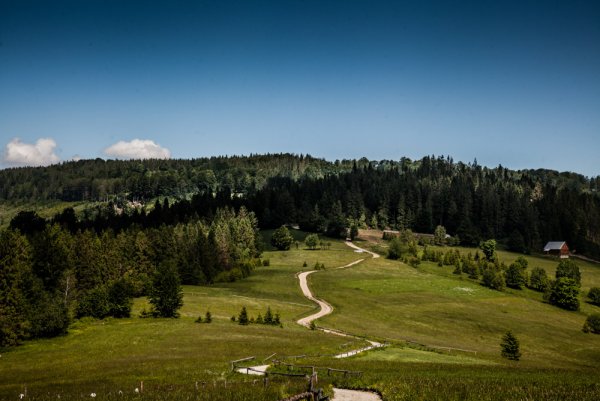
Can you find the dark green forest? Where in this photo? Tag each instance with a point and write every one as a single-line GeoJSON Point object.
{"type": "Point", "coordinates": [201, 218]}
{"type": "Point", "coordinates": [50, 273]}
{"type": "Point", "coordinates": [522, 209]}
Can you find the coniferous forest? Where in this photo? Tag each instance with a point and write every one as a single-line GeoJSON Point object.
{"type": "Point", "coordinates": [201, 218]}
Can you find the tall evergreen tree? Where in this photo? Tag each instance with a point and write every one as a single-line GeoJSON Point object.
{"type": "Point", "coordinates": [15, 271]}
{"type": "Point", "coordinates": [510, 347]}
{"type": "Point", "coordinates": [166, 295]}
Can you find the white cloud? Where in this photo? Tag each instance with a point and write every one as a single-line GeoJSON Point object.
{"type": "Point", "coordinates": [138, 149]}
{"type": "Point", "coordinates": [41, 153]}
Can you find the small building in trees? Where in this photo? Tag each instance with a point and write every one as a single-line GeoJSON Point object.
{"type": "Point", "coordinates": [557, 248]}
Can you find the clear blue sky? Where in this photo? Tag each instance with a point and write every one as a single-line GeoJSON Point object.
{"type": "Point", "coordinates": [515, 83]}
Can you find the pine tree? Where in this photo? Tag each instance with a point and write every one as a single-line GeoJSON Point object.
{"type": "Point", "coordinates": [268, 316]}
{"type": "Point", "coordinates": [510, 347]}
{"type": "Point", "coordinates": [243, 317]}
{"type": "Point", "coordinates": [119, 299]}
{"type": "Point", "coordinates": [166, 295]}
{"type": "Point", "coordinates": [15, 271]}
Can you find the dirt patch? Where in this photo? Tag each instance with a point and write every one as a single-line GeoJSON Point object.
{"type": "Point", "coordinates": [370, 235]}
{"type": "Point", "coordinates": [340, 394]}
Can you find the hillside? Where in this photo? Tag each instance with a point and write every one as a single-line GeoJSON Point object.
{"type": "Point", "coordinates": [522, 209]}
{"type": "Point", "coordinates": [443, 341]}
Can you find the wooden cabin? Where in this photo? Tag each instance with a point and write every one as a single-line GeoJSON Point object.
{"type": "Point", "coordinates": [557, 248]}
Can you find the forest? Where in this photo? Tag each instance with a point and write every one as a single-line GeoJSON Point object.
{"type": "Point", "coordinates": [49, 273]}
{"type": "Point", "coordinates": [522, 209]}
{"type": "Point", "coordinates": [201, 218]}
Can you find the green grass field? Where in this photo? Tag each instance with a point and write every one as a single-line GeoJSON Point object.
{"type": "Point", "coordinates": [44, 209]}
{"type": "Point", "coordinates": [378, 298]}
{"type": "Point", "coordinates": [392, 301]}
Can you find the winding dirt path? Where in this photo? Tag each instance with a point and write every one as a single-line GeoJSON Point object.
{"type": "Point", "coordinates": [326, 309]}
{"type": "Point", "coordinates": [352, 245]}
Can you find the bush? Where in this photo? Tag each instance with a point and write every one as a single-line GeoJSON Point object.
{"type": "Point", "coordinates": [49, 316]}
{"type": "Point", "coordinates": [120, 299]}
{"type": "Point", "coordinates": [516, 276]}
{"type": "Point", "coordinates": [592, 324]}
{"type": "Point", "coordinates": [266, 262]}
{"type": "Point", "coordinates": [414, 261]}
{"type": "Point", "coordinates": [594, 295]}
{"type": "Point", "coordinates": [457, 270]}
{"type": "Point", "coordinates": [539, 280]}
{"type": "Point", "coordinates": [395, 249]}
{"type": "Point", "coordinates": [282, 239]}
{"type": "Point", "coordinates": [493, 279]}
{"type": "Point", "coordinates": [565, 294]}
{"type": "Point", "coordinates": [569, 269]}
{"type": "Point", "coordinates": [94, 303]}
{"type": "Point", "coordinates": [489, 249]}
{"type": "Point", "coordinates": [311, 241]}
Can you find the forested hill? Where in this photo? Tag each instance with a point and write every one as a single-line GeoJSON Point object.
{"type": "Point", "coordinates": [524, 209]}
{"type": "Point", "coordinates": [95, 180]}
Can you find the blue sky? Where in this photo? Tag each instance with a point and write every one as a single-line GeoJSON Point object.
{"type": "Point", "coordinates": [515, 83]}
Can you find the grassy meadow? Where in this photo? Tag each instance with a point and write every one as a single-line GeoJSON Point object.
{"type": "Point", "coordinates": [418, 311]}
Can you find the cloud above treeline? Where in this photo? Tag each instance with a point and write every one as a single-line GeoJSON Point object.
{"type": "Point", "coordinates": [137, 149]}
{"type": "Point", "coordinates": [40, 153]}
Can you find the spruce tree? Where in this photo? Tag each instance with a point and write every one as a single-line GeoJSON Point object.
{"type": "Point", "coordinates": [510, 347]}
{"type": "Point", "coordinates": [243, 317]}
{"type": "Point", "coordinates": [15, 272]}
{"type": "Point", "coordinates": [166, 296]}
{"type": "Point", "coordinates": [268, 316]}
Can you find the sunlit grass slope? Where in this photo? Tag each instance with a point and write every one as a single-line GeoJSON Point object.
{"type": "Point", "coordinates": [378, 298]}
{"type": "Point", "coordinates": [429, 305]}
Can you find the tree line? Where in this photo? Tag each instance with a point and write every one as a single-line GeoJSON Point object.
{"type": "Point", "coordinates": [53, 272]}
{"type": "Point", "coordinates": [522, 209]}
